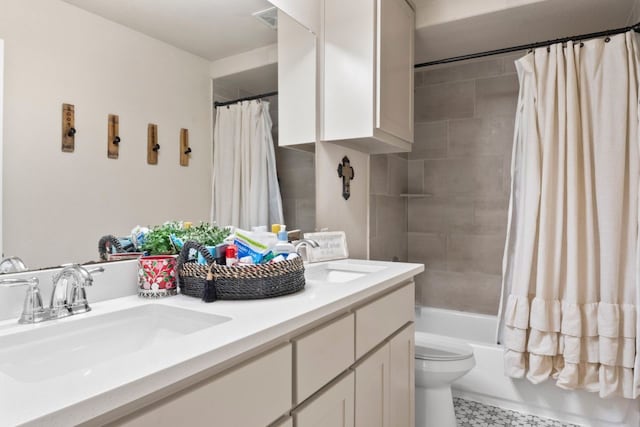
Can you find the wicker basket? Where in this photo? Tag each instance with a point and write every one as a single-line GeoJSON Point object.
{"type": "Point", "coordinates": [238, 283]}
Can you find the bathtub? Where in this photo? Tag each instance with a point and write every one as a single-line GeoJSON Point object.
{"type": "Point", "coordinates": [487, 384]}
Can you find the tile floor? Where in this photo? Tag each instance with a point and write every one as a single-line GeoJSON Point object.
{"type": "Point", "coordinates": [472, 414]}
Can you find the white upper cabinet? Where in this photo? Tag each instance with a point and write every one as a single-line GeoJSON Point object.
{"type": "Point", "coordinates": [296, 83]}
{"type": "Point", "coordinates": [354, 81]}
{"type": "Point", "coordinates": [366, 74]}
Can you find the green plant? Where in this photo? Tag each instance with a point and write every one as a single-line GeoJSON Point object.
{"type": "Point", "coordinates": [158, 240]}
{"type": "Point", "coordinates": [205, 234]}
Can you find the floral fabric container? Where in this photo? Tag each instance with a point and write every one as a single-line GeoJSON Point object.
{"type": "Point", "coordinates": [157, 276]}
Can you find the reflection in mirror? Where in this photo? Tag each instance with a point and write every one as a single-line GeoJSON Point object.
{"type": "Point", "coordinates": [1, 133]}
{"type": "Point", "coordinates": [12, 264]}
{"type": "Point", "coordinates": [58, 205]}
{"type": "Point", "coordinates": [295, 168]}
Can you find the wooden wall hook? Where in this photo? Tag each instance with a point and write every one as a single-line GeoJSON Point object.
{"type": "Point", "coordinates": [185, 150]}
{"type": "Point", "coordinates": [113, 136]}
{"type": "Point", "coordinates": [152, 144]}
{"type": "Point", "coordinates": [68, 128]}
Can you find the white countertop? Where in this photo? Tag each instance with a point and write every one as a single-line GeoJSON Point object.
{"type": "Point", "coordinates": [79, 396]}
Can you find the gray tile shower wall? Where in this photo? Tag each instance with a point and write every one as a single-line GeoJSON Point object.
{"type": "Point", "coordinates": [387, 209]}
{"type": "Point", "coordinates": [296, 175]}
{"type": "Point", "coordinates": [464, 130]}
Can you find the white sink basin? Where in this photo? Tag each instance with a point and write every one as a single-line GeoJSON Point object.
{"type": "Point", "coordinates": [339, 272]}
{"type": "Point", "coordinates": [77, 344]}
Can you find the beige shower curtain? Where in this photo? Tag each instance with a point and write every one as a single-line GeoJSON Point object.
{"type": "Point", "coordinates": [570, 271]}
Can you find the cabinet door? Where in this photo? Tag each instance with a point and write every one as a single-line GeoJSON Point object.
{"type": "Point", "coordinates": [402, 374]}
{"type": "Point", "coordinates": [296, 83]}
{"type": "Point", "coordinates": [395, 35]}
{"type": "Point", "coordinates": [332, 407]}
{"type": "Point", "coordinates": [372, 390]}
{"type": "Point", "coordinates": [347, 81]}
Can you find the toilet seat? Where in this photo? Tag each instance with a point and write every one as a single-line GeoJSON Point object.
{"type": "Point", "coordinates": [438, 348]}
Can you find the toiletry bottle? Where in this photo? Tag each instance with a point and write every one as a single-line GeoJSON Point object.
{"type": "Point", "coordinates": [231, 255]}
{"type": "Point", "coordinates": [283, 247]}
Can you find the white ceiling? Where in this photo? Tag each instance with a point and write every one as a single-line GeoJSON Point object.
{"type": "Point", "coordinates": [212, 29]}
{"type": "Point", "coordinates": [215, 29]}
{"type": "Point", "coordinates": [530, 22]}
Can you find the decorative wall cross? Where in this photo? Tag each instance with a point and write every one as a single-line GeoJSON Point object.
{"type": "Point", "coordinates": [346, 172]}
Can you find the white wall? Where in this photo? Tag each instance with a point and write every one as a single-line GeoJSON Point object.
{"type": "Point", "coordinates": [332, 211]}
{"type": "Point", "coordinates": [57, 205]}
{"type": "Point", "coordinates": [245, 61]}
{"type": "Point", "coordinates": [433, 12]}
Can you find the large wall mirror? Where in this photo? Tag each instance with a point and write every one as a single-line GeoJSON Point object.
{"type": "Point", "coordinates": [149, 64]}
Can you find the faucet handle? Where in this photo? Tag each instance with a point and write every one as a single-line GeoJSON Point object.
{"type": "Point", "coordinates": [33, 310]}
{"type": "Point", "coordinates": [12, 283]}
{"type": "Point", "coordinates": [92, 272]}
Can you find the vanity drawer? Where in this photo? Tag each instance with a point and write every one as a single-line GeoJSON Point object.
{"type": "Point", "coordinates": [254, 394]}
{"type": "Point", "coordinates": [382, 317]}
{"type": "Point", "coordinates": [321, 355]}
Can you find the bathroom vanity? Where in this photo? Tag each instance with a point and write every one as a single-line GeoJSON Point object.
{"type": "Point", "coordinates": [338, 353]}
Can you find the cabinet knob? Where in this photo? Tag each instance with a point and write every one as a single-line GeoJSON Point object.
{"type": "Point", "coordinates": [156, 147]}
{"type": "Point", "coordinates": [116, 140]}
{"type": "Point", "coordinates": [72, 131]}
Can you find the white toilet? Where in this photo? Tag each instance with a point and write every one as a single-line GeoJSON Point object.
{"type": "Point", "coordinates": [439, 362]}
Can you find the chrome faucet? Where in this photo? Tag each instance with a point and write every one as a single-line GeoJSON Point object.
{"type": "Point", "coordinates": [12, 264]}
{"type": "Point", "coordinates": [68, 296]}
{"type": "Point", "coordinates": [305, 243]}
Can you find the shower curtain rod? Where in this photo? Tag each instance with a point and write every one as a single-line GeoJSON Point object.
{"type": "Point", "coordinates": [247, 98]}
{"type": "Point", "coordinates": [635, 27]}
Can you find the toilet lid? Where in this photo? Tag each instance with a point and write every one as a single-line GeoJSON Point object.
{"type": "Point", "coordinates": [438, 349]}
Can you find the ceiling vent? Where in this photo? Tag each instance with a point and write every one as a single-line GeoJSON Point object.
{"type": "Point", "coordinates": [268, 17]}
